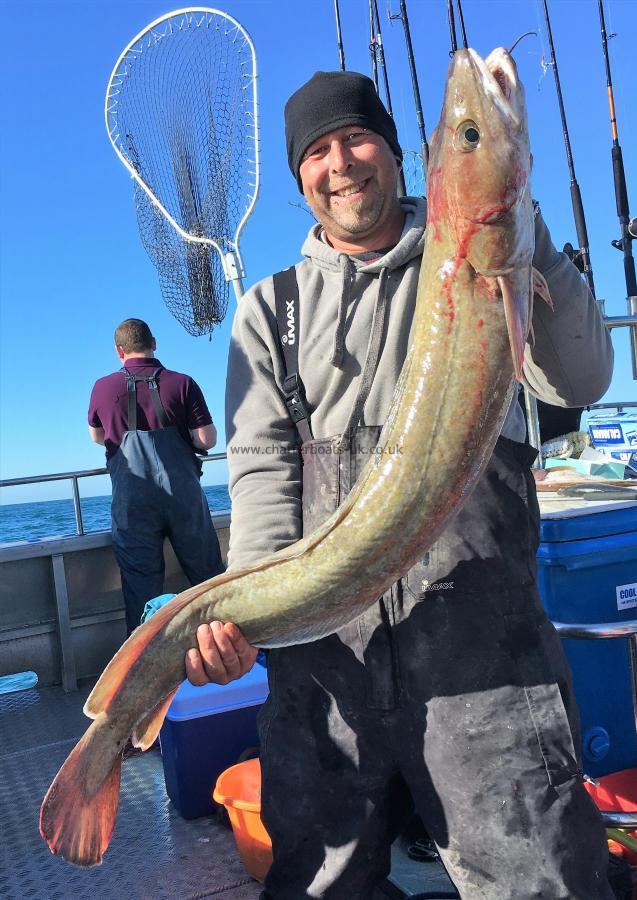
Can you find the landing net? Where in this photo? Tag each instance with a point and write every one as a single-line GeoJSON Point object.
{"type": "Point", "coordinates": [181, 113]}
{"type": "Point", "coordinates": [414, 173]}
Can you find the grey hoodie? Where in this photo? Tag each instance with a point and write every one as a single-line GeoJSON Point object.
{"type": "Point", "coordinates": [569, 364]}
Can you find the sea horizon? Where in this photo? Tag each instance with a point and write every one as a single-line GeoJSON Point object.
{"type": "Point", "coordinates": [40, 519]}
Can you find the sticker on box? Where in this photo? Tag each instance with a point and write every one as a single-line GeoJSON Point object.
{"type": "Point", "coordinates": [626, 595]}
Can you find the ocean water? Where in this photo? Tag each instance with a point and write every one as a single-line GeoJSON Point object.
{"type": "Point", "coordinates": [56, 518]}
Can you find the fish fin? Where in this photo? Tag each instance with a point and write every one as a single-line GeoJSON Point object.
{"type": "Point", "coordinates": [77, 823]}
{"type": "Point", "coordinates": [114, 675]}
{"type": "Point", "coordinates": [517, 296]}
{"type": "Point", "coordinates": [145, 732]}
{"type": "Point", "coordinates": [541, 288]}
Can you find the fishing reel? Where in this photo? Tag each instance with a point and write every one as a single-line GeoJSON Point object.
{"type": "Point", "coordinates": [575, 256]}
{"type": "Point", "coordinates": [631, 234]}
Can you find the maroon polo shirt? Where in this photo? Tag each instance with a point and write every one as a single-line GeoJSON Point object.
{"type": "Point", "coordinates": [180, 395]}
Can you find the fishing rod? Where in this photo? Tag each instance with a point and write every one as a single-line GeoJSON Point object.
{"type": "Point", "coordinates": [380, 51]}
{"type": "Point", "coordinates": [452, 27]}
{"type": "Point", "coordinates": [462, 28]}
{"type": "Point", "coordinates": [627, 227]}
{"type": "Point", "coordinates": [372, 45]}
{"type": "Point", "coordinates": [424, 146]}
{"type": "Point", "coordinates": [339, 36]}
{"type": "Point", "coordinates": [378, 57]}
{"type": "Point", "coordinates": [582, 258]}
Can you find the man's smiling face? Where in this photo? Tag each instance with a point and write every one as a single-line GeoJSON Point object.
{"type": "Point", "coordinates": [350, 179]}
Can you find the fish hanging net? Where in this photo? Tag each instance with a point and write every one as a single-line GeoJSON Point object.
{"type": "Point", "coordinates": [181, 113]}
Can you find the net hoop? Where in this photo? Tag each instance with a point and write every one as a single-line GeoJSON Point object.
{"type": "Point", "coordinates": [153, 33]}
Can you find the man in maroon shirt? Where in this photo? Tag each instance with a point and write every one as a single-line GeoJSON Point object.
{"type": "Point", "coordinates": [152, 421]}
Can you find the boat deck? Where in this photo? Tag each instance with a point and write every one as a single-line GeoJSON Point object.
{"type": "Point", "coordinates": [155, 854]}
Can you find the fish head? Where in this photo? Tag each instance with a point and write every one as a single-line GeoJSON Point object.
{"type": "Point", "coordinates": [480, 164]}
{"type": "Point", "coordinates": [478, 183]}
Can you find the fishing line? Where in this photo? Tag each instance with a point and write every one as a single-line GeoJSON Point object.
{"type": "Point", "coordinates": [543, 63]}
{"type": "Point", "coordinates": [522, 36]}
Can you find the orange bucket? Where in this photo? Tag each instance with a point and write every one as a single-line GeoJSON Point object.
{"type": "Point", "coordinates": [239, 790]}
{"type": "Point", "coordinates": [617, 792]}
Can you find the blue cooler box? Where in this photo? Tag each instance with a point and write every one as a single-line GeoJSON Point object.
{"type": "Point", "coordinates": [205, 731]}
{"type": "Point", "coordinates": [587, 573]}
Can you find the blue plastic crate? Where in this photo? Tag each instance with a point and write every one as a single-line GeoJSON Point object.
{"type": "Point", "coordinates": [587, 572]}
{"type": "Point", "coordinates": [205, 731]}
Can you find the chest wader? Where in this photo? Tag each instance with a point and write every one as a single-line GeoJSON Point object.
{"type": "Point", "coordinates": [156, 494]}
{"type": "Point", "coordinates": [450, 695]}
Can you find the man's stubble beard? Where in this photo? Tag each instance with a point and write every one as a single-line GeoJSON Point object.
{"type": "Point", "coordinates": [353, 221]}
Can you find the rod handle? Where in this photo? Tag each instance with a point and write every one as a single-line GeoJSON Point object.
{"type": "Point", "coordinates": [621, 195]}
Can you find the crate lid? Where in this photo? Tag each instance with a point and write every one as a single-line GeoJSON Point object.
{"type": "Point", "coordinates": [191, 702]}
{"type": "Point", "coordinates": [571, 520]}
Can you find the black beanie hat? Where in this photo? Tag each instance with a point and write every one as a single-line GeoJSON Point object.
{"type": "Point", "coordinates": [331, 100]}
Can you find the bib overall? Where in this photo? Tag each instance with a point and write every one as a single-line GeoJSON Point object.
{"type": "Point", "coordinates": [157, 494]}
{"type": "Point", "coordinates": [450, 696]}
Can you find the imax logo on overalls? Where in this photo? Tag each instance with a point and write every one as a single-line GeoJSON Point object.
{"type": "Point", "coordinates": [289, 338]}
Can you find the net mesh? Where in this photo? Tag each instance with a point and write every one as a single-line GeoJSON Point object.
{"type": "Point", "coordinates": [181, 110]}
{"type": "Point", "coordinates": [414, 173]}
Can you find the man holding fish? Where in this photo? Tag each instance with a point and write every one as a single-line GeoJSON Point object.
{"type": "Point", "coordinates": [449, 695]}
{"type": "Point", "coordinates": [385, 523]}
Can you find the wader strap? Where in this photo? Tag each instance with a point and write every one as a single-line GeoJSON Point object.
{"type": "Point", "coordinates": [286, 302]}
{"type": "Point", "coordinates": [153, 387]}
{"type": "Point", "coordinates": [371, 360]}
{"type": "Point", "coordinates": [131, 424]}
{"type": "Point", "coordinates": [159, 406]}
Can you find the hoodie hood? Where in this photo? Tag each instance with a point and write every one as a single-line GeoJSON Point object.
{"type": "Point", "coordinates": [410, 245]}
{"type": "Point", "coordinates": [324, 257]}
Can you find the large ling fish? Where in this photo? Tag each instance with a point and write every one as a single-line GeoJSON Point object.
{"type": "Point", "coordinates": [475, 291]}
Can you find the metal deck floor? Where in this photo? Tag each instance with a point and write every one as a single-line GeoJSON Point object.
{"type": "Point", "coordinates": [155, 854]}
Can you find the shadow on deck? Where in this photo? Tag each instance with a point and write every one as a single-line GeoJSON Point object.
{"type": "Point", "coordinates": [155, 854]}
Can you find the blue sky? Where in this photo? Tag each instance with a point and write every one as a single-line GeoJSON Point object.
{"type": "Point", "coordinates": [72, 263]}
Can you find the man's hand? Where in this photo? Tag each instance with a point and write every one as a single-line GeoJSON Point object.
{"type": "Point", "coordinates": [223, 655]}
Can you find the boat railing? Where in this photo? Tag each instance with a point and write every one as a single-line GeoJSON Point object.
{"type": "Point", "coordinates": [609, 631]}
{"type": "Point", "coordinates": [74, 478]}
{"type": "Point", "coordinates": [530, 403]}
{"type": "Point", "coordinates": [61, 645]}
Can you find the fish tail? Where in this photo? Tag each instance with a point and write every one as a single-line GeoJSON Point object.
{"type": "Point", "coordinates": [78, 814]}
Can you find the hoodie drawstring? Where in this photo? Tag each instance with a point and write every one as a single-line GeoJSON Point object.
{"type": "Point", "coordinates": [372, 356]}
{"type": "Point", "coordinates": [343, 304]}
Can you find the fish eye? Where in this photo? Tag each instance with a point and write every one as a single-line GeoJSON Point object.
{"type": "Point", "coordinates": [468, 135]}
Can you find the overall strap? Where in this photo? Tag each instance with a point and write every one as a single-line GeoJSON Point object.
{"type": "Point", "coordinates": [153, 387]}
{"type": "Point", "coordinates": [131, 389]}
{"type": "Point", "coordinates": [154, 394]}
{"type": "Point", "coordinates": [286, 301]}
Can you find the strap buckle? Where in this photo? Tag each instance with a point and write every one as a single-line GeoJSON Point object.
{"type": "Point", "coordinates": [295, 400]}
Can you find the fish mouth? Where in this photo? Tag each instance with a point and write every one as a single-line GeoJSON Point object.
{"type": "Point", "coordinates": [498, 77]}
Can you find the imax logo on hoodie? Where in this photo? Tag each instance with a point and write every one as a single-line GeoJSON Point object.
{"type": "Point", "coordinates": [290, 337]}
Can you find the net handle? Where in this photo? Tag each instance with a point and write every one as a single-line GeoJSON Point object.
{"type": "Point", "coordinates": [232, 262]}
